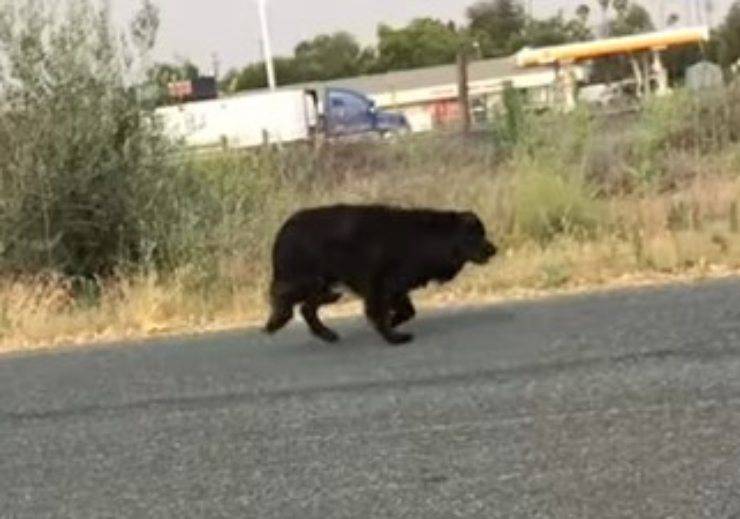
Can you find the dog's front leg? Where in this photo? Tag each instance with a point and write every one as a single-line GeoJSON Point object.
{"type": "Point", "coordinates": [378, 305]}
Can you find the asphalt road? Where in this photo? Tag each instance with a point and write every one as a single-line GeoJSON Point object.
{"type": "Point", "coordinates": [612, 405]}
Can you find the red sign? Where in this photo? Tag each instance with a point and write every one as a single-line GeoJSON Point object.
{"type": "Point", "coordinates": [180, 89]}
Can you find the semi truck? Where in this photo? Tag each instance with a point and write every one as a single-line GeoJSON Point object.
{"type": "Point", "coordinates": [280, 116]}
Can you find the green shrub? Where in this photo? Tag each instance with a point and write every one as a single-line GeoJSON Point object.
{"type": "Point", "coordinates": [547, 204]}
{"type": "Point", "coordinates": [84, 178]}
{"type": "Point", "coordinates": [698, 123]}
{"type": "Point", "coordinates": [510, 124]}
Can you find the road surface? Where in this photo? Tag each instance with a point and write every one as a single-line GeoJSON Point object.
{"type": "Point", "coordinates": [612, 405]}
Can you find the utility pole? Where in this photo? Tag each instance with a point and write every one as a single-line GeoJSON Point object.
{"type": "Point", "coordinates": [709, 10]}
{"type": "Point", "coordinates": [266, 49]}
{"type": "Point", "coordinates": [462, 89]}
{"type": "Point", "coordinates": [661, 14]}
{"type": "Point", "coordinates": [699, 12]}
{"type": "Point", "coordinates": [216, 65]}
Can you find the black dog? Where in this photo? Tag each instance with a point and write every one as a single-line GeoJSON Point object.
{"type": "Point", "coordinates": [380, 253]}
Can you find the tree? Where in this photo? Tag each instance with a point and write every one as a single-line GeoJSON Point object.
{"type": "Point", "coordinates": [728, 37]}
{"type": "Point", "coordinates": [162, 74]}
{"type": "Point", "coordinates": [632, 18]}
{"type": "Point", "coordinates": [254, 75]}
{"type": "Point", "coordinates": [331, 56]}
{"type": "Point", "coordinates": [81, 182]}
{"type": "Point", "coordinates": [144, 27]}
{"type": "Point", "coordinates": [555, 30]}
{"type": "Point", "coordinates": [621, 6]}
{"type": "Point", "coordinates": [424, 42]}
{"type": "Point", "coordinates": [604, 4]}
{"type": "Point", "coordinates": [325, 57]}
{"type": "Point", "coordinates": [497, 25]}
{"type": "Point", "coordinates": [583, 12]}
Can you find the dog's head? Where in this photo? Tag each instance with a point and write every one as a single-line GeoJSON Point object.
{"type": "Point", "coordinates": [473, 244]}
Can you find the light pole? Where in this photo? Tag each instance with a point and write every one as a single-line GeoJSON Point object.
{"type": "Point", "coordinates": [699, 12]}
{"type": "Point", "coordinates": [266, 49]}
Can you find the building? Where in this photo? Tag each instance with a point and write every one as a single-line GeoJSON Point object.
{"type": "Point", "coordinates": [428, 96]}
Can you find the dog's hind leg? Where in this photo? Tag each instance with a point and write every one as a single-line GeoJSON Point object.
{"type": "Point", "coordinates": [279, 317]}
{"type": "Point", "coordinates": [309, 310]}
{"type": "Point", "coordinates": [402, 310]}
{"type": "Point", "coordinates": [282, 301]}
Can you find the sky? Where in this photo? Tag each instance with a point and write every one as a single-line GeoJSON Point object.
{"type": "Point", "coordinates": [229, 29]}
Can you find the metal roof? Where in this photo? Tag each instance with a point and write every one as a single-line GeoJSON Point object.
{"type": "Point", "coordinates": [399, 80]}
{"type": "Point", "coordinates": [431, 76]}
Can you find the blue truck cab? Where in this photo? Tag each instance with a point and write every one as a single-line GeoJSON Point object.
{"type": "Point", "coordinates": [348, 112]}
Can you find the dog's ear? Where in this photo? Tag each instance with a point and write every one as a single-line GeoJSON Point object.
{"type": "Point", "coordinates": [470, 219]}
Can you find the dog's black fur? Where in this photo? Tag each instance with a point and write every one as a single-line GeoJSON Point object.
{"type": "Point", "coordinates": [381, 253]}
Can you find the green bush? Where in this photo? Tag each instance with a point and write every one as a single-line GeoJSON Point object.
{"type": "Point", "coordinates": [84, 180]}
{"type": "Point", "coordinates": [510, 125]}
{"type": "Point", "coordinates": [697, 123]}
{"type": "Point", "coordinates": [547, 204]}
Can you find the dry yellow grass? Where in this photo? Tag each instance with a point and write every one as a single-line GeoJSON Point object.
{"type": "Point", "coordinates": [648, 243]}
{"type": "Point", "coordinates": [146, 309]}
{"type": "Point", "coordinates": [555, 235]}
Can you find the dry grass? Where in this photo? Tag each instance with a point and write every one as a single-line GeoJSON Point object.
{"type": "Point", "coordinates": [687, 234]}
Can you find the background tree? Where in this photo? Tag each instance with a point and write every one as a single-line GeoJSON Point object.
{"type": "Point", "coordinates": [555, 30]}
{"type": "Point", "coordinates": [497, 25]}
{"type": "Point", "coordinates": [144, 27]}
{"type": "Point", "coordinates": [164, 73]}
{"type": "Point", "coordinates": [583, 12]}
{"type": "Point", "coordinates": [604, 4]}
{"type": "Point", "coordinates": [325, 57]}
{"type": "Point", "coordinates": [632, 18]}
{"type": "Point", "coordinates": [424, 42]}
{"type": "Point", "coordinates": [331, 56]}
{"type": "Point", "coordinates": [160, 75]}
{"type": "Point", "coordinates": [254, 75]}
{"type": "Point", "coordinates": [620, 6]}
{"type": "Point", "coordinates": [728, 37]}
{"type": "Point", "coordinates": [81, 189]}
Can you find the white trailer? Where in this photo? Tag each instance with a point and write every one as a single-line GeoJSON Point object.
{"type": "Point", "coordinates": [243, 120]}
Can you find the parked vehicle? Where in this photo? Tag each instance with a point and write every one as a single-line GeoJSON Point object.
{"type": "Point", "coordinates": [281, 116]}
